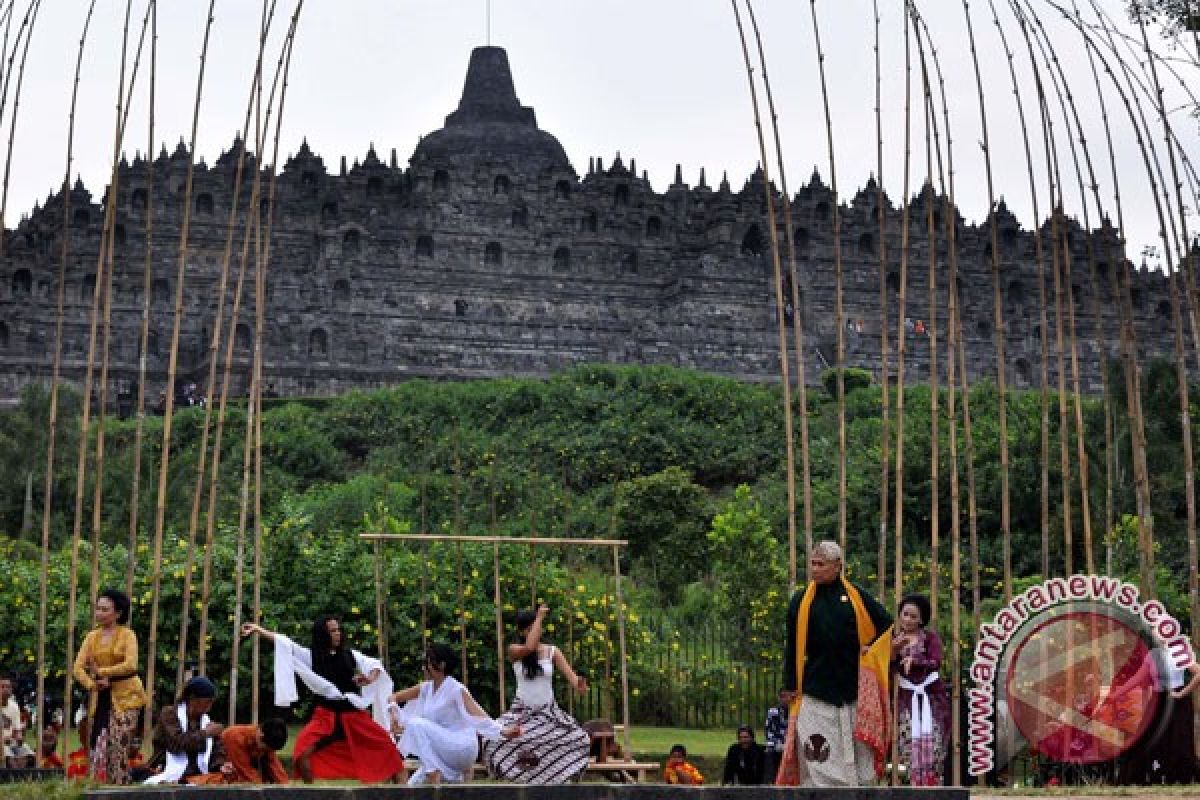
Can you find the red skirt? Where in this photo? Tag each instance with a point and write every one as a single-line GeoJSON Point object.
{"type": "Point", "coordinates": [363, 752]}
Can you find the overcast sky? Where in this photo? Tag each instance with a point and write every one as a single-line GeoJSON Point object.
{"type": "Point", "coordinates": [661, 81]}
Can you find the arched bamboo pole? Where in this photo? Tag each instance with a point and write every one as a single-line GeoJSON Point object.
{"type": "Point", "coordinates": [789, 444]}
{"type": "Point", "coordinates": [1185, 264]}
{"type": "Point", "coordinates": [1057, 267]}
{"type": "Point", "coordinates": [1128, 339]}
{"type": "Point", "coordinates": [1043, 322]}
{"type": "Point", "coordinates": [172, 364]}
{"type": "Point", "coordinates": [838, 313]}
{"type": "Point", "coordinates": [52, 433]}
{"type": "Point", "coordinates": [1066, 289]}
{"type": "Point", "coordinates": [1153, 167]}
{"type": "Point", "coordinates": [958, 382]}
{"type": "Point", "coordinates": [999, 335]}
{"type": "Point", "coordinates": [253, 106]}
{"type": "Point", "coordinates": [901, 340]}
{"type": "Point", "coordinates": [797, 327]}
{"type": "Point", "coordinates": [210, 385]}
{"type": "Point", "coordinates": [26, 31]}
{"type": "Point", "coordinates": [1100, 330]}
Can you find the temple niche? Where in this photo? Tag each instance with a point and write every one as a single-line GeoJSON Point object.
{"type": "Point", "coordinates": [490, 255]}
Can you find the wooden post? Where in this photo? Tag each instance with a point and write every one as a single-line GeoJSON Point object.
{"type": "Point", "coordinates": [500, 671]}
{"type": "Point", "coordinates": [616, 556]}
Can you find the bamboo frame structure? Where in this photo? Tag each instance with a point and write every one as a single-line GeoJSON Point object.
{"type": "Point", "coordinates": [459, 539]}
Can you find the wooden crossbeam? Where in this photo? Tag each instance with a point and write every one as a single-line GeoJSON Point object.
{"type": "Point", "coordinates": [489, 539]}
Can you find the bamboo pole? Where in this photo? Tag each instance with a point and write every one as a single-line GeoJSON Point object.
{"type": "Point", "coordinates": [1132, 373]}
{"type": "Point", "coordinates": [172, 364]}
{"type": "Point", "coordinates": [263, 258]}
{"type": "Point", "coordinates": [107, 255]}
{"type": "Point", "coordinates": [797, 324]}
{"type": "Point", "coordinates": [52, 434]}
{"type": "Point", "coordinates": [89, 378]}
{"type": "Point", "coordinates": [957, 380]}
{"type": "Point", "coordinates": [1066, 99]}
{"type": "Point", "coordinates": [837, 273]}
{"type": "Point", "coordinates": [1058, 258]}
{"type": "Point", "coordinates": [26, 29]}
{"type": "Point", "coordinates": [1185, 266]}
{"type": "Point", "coordinates": [931, 240]}
{"type": "Point", "coordinates": [144, 334]}
{"type": "Point", "coordinates": [1122, 303]}
{"type": "Point", "coordinates": [999, 326]}
{"type": "Point", "coordinates": [901, 339]}
{"type": "Point", "coordinates": [885, 434]}
{"type": "Point", "coordinates": [781, 323]}
{"type": "Point", "coordinates": [620, 602]}
{"type": "Point", "coordinates": [210, 387]}
{"type": "Point", "coordinates": [1043, 322]}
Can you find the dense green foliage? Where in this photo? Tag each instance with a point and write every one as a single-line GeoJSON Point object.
{"type": "Point", "coordinates": [655, 456]}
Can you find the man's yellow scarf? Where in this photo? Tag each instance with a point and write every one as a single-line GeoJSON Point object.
{"type": "Point", "coordinates": [874, 669]}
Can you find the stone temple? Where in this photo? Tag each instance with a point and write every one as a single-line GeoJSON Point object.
{"type": "Point", "coordinates": [490, 256]}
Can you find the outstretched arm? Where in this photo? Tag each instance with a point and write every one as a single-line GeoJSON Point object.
{"type": "Point", "coordinates": [577, 682]}
{"type": "Point", "coordinates": [249, 628]}
{"type": "Point", "coordinates": [404, 695]}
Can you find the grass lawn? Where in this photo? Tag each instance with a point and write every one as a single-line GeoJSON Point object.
{"type": "Point", "coordinates": [657, 741]}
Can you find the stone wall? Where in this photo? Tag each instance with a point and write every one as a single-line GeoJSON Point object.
{"type": "Point", "coordinates": [489, 256]}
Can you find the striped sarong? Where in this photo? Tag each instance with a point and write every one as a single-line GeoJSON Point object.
{"type": "Point", "coordinates": [552, 748]}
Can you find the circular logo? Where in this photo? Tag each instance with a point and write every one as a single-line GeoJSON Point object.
{"type": "Point", "coordinates": [1081, 687]}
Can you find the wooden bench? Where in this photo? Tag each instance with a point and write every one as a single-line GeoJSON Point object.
{"type": "Point", "coordinates": [622, 771]}
{"type": "Point", "coordinates": [617, 771]}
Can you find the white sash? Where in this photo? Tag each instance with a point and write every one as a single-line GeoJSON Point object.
{"type": "Point", "coordinates": [920, 711]}
{"type": "Point", "coordinates": [293, 661]}
{"type": "Point", "coordinates": [177, 762]}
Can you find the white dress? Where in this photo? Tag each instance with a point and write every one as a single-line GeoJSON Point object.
{"type": "Point", "coordinates": [441, 733]}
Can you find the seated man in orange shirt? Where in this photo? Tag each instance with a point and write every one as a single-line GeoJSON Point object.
{"type": "Point", "coordinates": [250, 754]}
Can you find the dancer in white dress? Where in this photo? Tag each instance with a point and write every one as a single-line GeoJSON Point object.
{"type": "Point", "coordinates": [441, 722]}
{"type": "Point", "coordinates": [552, 747]}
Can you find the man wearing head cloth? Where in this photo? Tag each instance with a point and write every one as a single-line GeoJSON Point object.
{"type": "Point", "coordinates": [187, 744]}
{"type": "Point", "coordinates": [832, 627]}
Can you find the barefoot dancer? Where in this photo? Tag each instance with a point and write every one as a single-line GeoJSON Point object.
{"type": "Point", "coordinates": [341, 740]}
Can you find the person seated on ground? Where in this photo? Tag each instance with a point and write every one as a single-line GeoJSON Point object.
{"type": "Point", "coordinates": [252, 752]}
{"type": "Point", "coordinates": [187, 744]}
{"type": "Point", "coordinates": [441, 723]}
{"type": "Point", "coordinates": [679, 771]}
{"type": "Point", "coordinates": [79, 760]}
{"type": "Point", "coordinates": [49, 749]}
{"type": "Point", "coordinates": [744, 760]}
{"type": "Point", "coordinates": [17, 754]}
